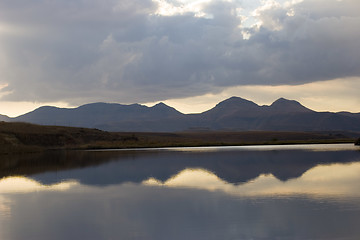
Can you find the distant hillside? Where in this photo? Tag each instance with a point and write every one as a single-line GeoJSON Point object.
{"type": "Point", "coordinates": [4, 118]}
{"type": "Point", "coordinates": [18, 137]}
{"type": "Point", "coordinates": [106, 116]}
{"type": "Point", "coordinates": [356, 115]}
{"type": "Point", "coordinates": [25, 137]}
{"type": "Point", "coordinates": [233, 114]}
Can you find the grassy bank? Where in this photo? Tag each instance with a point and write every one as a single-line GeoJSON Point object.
{"type": "Point", "coordinates": [24, 138]}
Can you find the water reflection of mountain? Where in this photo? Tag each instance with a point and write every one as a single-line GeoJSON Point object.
{"type": "Point", "coordinates": [105, 168]}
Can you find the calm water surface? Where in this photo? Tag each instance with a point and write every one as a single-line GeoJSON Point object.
{"type": "Point", "coordinates": [263, 192]}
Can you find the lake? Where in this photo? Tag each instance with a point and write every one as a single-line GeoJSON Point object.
{"type": "Point", "coordinates": [253, 192]}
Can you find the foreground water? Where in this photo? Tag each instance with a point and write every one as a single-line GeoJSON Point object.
{"type": "Point", "coordinates": [264, 192]}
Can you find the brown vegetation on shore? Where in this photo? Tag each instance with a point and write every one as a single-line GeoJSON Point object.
{"type": "Point", "coordinates": [24, 137]}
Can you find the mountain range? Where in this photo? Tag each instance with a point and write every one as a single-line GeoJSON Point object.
{"type": "Point", "coordinates": [233, 114]}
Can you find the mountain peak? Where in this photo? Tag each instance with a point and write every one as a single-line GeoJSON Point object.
{"type": "Point", "coordinates": [231, 106]}
{"type": "Point", "coordinates": [161, 105]}
{"type": "Point", "coordinates": [236, 101]}
{"type": "Point", "coordinates": [162, 108]}
{"type": "Point", "coordinates": [285, 105]}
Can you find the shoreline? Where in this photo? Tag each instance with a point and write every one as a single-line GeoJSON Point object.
{"type": "Point", "coordinates": [37, 149]}
{"type": "Point", "coordinates": [17, 138]}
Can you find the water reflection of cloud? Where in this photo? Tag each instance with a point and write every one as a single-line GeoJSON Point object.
{"type": "Point", "coordinates": [195, 204]}
{"type": "Point", "coordinates": [334, 180]}
{"type": "Point", "coordinates": [136, 211]}
{"type": "Point", "coordinates": [5, 208]}
{"type": "Point", "coordinates": [24, 185]}
{"type": "Point", "coordinates": [5, 213]}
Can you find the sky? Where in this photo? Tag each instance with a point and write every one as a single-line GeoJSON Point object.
{"type": "Point", "coordinates": [188, 54]}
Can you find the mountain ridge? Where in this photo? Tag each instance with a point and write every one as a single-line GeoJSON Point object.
{"type": "Point", "coordinates": [4, 118]}
{"type": "Point", "coordinates": [232, 114]}
{"type": "Point", "coordinates": [286, 105]}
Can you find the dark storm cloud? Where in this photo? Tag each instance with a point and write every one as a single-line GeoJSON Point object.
{"type": "Point", "coordinates": [84, 51]}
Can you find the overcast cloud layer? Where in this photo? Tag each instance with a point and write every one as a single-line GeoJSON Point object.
{"type": "Point", "coordinates": [141, 50]}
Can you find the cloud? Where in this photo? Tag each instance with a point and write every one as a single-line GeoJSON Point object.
{"type": "Point", "coordinates": [334, 95]}
{"type": "Point", "coordinates": [129, 51]}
